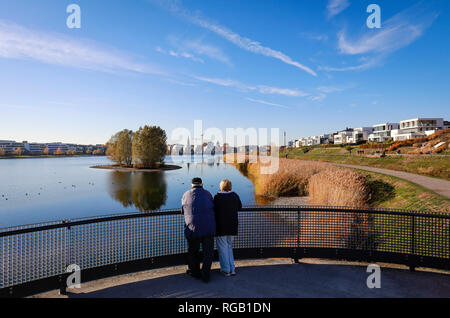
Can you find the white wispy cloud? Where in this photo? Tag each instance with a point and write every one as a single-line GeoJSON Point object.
{"type": "Point", "coordinates": [260, 101]}
{"type": "Point", "coordinates": [17, 42]}
{"type": "Point", "coordinates": [233, 37]}
{"type": "Point", "coordinates": [314, 36]}
{"type": "Point", "coordinates": [372, 62]}
{"type": "Point", "coordinates": [329, 89]}
{"type": "Point", "coordinates": [263, 89]}
{"type": "Point", "coordinates": [207, 50]}
{"type": "Point", "coordinates": [334, 7]}
{"type": "Point", "coordinates": [335, 88]}
{"type": "Point", "coordinates": [281, 91]}
{"type": "Point", "coordinates": [180, 54]}
{"type": "Point", "coordinates": [317, 98]}
{"type": "Point", "coordinates": [397, 32]}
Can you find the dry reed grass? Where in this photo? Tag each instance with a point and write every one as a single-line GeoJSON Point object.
{"type": "Point", "coordinates": [338, 186]}
{"type": "Point", "coordinates": [323, 183]}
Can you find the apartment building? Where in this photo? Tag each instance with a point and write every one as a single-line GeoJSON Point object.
{"type": "Point", "coordinates": [9, 146]}
{"type": "Point", "coordinates": [35, 148]}
{"type": "Point", "coordinates": [54, 146]}
{"type": "Point", "coordinates": [382, 132]}
{"type": "Point", "coordinates": [359, 134]}
{"type": "Point", "coordinates": [417, 127]}
{"type": "Point", "coordinates": [341, 136]}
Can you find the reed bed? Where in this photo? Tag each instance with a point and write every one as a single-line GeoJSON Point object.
{"type": "Point", "coordinates": [338, 186]}
{"type": "Point", "coordinates": [323, 183]}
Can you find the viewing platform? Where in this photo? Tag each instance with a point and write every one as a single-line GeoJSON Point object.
{"type": "Point", "coordinates": [269, 278]}
{"type": "Point", "coordinates": [281, 251]}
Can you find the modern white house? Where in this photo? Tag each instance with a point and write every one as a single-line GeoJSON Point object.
{"type": "Point", "coordinates": [359, 134]}
{"type": "Point", "coordinates": [324, 139]}
{"type": "Point", "coordinates": [341, 136]}
{"type": "Point", "coordinates": [406, 129]}
{"type": "Point", "coordinates": [417, 127]}
{"type": "Point", "coordinates": [382, 132]}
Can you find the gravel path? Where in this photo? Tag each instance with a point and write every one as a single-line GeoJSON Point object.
{"type": "Point", "coordinates": [439, 186]}
{"type": "Point", "coordinates": [290, 201]}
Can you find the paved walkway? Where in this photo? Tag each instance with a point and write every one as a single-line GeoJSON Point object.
{"type": "Point", "coordinates": [439, 186]}
{"type": "Point", "coordinates": [272, 280]}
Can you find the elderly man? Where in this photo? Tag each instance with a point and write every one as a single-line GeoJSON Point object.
{"type": "Point", "coordinates": [200, 228]}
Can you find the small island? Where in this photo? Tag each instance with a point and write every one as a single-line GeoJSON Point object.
{"type": "Point", "coordinates": [143, 150]}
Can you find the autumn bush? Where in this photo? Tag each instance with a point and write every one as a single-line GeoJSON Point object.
{"type": "Point", "coordinates": [441, 148]}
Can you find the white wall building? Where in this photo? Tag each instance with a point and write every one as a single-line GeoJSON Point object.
{"type": "Point", "coordinates": [417, 127]}
{"type": "Point", "coordinates": [341, 136]}
{"type": "Point", "coordinates": [359, 134]}
{"type": "Point", "coordinates": [382, 132]}
{"type": "Point", "coordinates": [9, 146]}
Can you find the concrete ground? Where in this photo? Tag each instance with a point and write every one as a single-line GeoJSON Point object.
{"type": "Point", "coordinates": [271, 278]}
{"type": "Point", "coordinates": [439, 186]}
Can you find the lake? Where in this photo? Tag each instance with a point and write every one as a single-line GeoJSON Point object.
{"type": "Point", "coordinates": [47, 189]}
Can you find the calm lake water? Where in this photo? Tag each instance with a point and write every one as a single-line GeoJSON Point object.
{"type": "Point", "coordinates": [47, 189]}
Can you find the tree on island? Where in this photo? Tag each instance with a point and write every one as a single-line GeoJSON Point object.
{"type": "Point", "coordinates": [97, 152]}
{"type": "Point", "coordinates": [59, 152]}
{"type": "Point", "coordinates": [46, 151]}
{"type": "Point", "coordinates": [2, 152]}
{"type": "Point", "coordinates": [120, 148]}
{"type": "Point", "coordinates": [149, 147]}
{"type": "Point", "coordinates": [18, 151]}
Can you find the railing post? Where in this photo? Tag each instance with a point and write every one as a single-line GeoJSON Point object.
{"type": "Point", "coordinates": [412, 265]}
{"type": "Point", "coordinates": [62, 284]}
{"type": "Point", "coordinates": [298, 238]}
{"type": "Point", "coordinates": [62, 279]}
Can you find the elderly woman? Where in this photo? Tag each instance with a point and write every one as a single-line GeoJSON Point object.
{"type": "Point", "coordinates": [226, 206]}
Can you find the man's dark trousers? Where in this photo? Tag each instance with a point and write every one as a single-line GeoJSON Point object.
{"type": "Point", "coordinates": [207, 243]}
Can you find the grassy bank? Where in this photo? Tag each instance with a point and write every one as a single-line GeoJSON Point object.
{"type": "Point", "coordinates": [428, 165]}
{"type": "Point", "coordinates": [391, 192]}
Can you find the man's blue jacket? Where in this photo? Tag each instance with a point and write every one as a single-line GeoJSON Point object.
{"type": "Point", "coordinates": [198, 209]}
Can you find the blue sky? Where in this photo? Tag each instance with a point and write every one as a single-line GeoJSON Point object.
{"type": "Point", "coordinates": [307, 67]}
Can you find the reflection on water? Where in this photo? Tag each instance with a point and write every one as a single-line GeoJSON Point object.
{"type": "Point", "coordinates": [47, 189]}
{"type": "Point", "coordinates": [146, 191]}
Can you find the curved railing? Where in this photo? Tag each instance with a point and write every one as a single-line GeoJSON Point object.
{"type": "Point", "coordinates": [35, 258]}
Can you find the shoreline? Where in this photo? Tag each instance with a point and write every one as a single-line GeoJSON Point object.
{"type": "Point", "coordinates": [131, 169]}
{"type": "Point", "coordinates": [47, 156]}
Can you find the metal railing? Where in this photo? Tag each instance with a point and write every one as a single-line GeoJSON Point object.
{"type": "Point", "coordinates": [34, 258]}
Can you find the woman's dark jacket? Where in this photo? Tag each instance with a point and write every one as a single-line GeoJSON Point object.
{"type": "Point", "coordinates": [226, 207]}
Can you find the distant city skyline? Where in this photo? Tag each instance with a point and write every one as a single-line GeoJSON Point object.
{"type": "Point", "coordinates": [305, 67]}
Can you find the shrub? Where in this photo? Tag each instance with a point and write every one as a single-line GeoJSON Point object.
{"type": "Point", "coordinates": [441, 148]}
